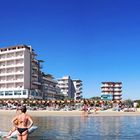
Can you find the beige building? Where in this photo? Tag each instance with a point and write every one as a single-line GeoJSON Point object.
{"type": "Point", "coordinates": [111, 90]}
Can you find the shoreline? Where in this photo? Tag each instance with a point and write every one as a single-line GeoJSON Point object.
{"type": "Point", "coordinates": [43, 113]}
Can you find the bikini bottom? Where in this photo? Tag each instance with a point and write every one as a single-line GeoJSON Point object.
{"type": "Point", "coordinates": [21, 130]}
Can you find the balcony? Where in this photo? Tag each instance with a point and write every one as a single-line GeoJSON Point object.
{"type": "Point", "coordinates": [19, 85]}
{"type": "Point", "coordinates": [34, 60]}
{"type": "Point", "coordinates": [19, 70]}
{"type": "Point", "coordinates": [119, 90]}
{"type": "Point", "coordinates": [2, 56]}
{"type": "Point", "coordinates": [35, 75]}
{"type": "Point", "coordinates": [10, 86]}
{"type": "Point", "coordinates": [2, 60]}
{"type": "Point", "coordinates": [19, 54]}
{"type": "Point", "coordinates": [10, 70]}
{"type": "Point", "coordinates": [2, 74]}
{"type": "Point", "coordinates": [19, 80]}
{"type": "Point", "coordinates": [12, 80]}
{"type": "Point", "coordinates": [117, 97]}
{"type": "Point", "coordinates": [2, 88]}
{"type": "Point", "coordinates": [107, 89]}
{"type": "Point", "coordinates": [105, 85]}
{"type": "Point", "coordinates": [79, 89]}
{"type": "Point", "coordinates": [63, 86]}
{"type": "Point", "coordinates": [78, 84]}
{"type": "Point", "coordinates": [35, 68]}
{"type": "Point", "coordinates": [118, 85]}
{"type": "Point", "coordinates": [78, 93]}
{"type": "Point", "coordinates": [19, 63]}
{"type": "Point", "coordinates": [2, 80]}
{"type": "Point", "coordinates": [36, 83]}
{"type": "Point", "coordinates": [117, 93]}
{"type": "Point", "coordinates": [2, 65]}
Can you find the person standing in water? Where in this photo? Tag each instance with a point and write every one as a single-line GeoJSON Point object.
{"type": "Point", "coordinates": [24, 123]}
{"type": "Point", "coordinates": [85, 109]}
{"type": "Point", "coordinates": [15, 122]}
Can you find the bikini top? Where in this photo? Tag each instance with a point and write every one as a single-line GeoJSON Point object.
{"type": "Point", "coordinates": [22, 120]}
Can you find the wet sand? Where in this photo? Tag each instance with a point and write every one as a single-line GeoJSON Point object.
{"type": "Point", "coordinates": [39, 113]}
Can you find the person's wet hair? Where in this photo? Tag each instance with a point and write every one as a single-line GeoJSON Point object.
{"type": "Point", "coordinates": [23, 109]}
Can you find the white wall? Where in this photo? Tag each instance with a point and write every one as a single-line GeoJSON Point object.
{"type": "Point", "coordinates": [27, 69]}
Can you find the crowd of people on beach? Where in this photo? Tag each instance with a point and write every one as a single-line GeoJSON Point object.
{"type": "Point", "coordinates": [69, 105]}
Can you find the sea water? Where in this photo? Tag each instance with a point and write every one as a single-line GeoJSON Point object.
{"type": "Point", "coordinates": [85, 128]}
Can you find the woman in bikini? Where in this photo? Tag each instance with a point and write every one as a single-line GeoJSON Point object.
{"type": "Point", "coordinates": [24, 123]}
{"type": "Point", "coordinates": [15, 122]}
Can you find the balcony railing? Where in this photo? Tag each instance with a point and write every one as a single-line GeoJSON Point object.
{"type": "Point", "coordinates": [117, 93]}
{"type": "Point", "coordinates": [36, 83]}
{"type": "Point", "coordinates": [117, 97]}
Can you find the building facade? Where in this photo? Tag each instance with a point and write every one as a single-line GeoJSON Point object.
{"type": "Point", "coordinates": [78, 89]}
{"type": "Point", "coordinates": [70, 88]}
{"type": "Point", "coordinates": [19, 73]}
{"type": "Point", "coordinates": [111, 90]}
{"type": "Point", "coordinates": [21, 76]}
{"type": "Point", "coordinates": [50, 89]}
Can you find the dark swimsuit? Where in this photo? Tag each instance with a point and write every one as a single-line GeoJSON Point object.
{"type": "Point", "coordinates": [21, 130]}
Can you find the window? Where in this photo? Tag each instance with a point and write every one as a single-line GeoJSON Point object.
{"type": "Point", "coordinates": [1, 93]}
{"type": "Point", "coordinates": [24, 92]}
{"type": "Point", "coordinates": [18, 92]}
{"type": "Point", "coordinates": [8, 93]}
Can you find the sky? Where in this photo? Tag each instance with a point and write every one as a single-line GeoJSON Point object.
{"type": "Point", "coordinates": [91, 40]}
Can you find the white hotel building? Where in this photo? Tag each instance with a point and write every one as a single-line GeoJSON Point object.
{"type": "Point", "coordinates": [70, 88]}
{"type": "Point", "coordinates": [19, 73]}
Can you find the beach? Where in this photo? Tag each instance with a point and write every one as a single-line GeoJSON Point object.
{"type": "Point", "coordinates": [43, 113]}
{"type": "Point", "coordinates": [71, 125]}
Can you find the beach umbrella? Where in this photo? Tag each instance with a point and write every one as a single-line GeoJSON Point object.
{"type": "Point", "coordinates": [53, 101]}
{"type": "Point", "coordinates": [22, 101]}
{"type": "Point", "coordinates": [58, 101]}
{"type": "Point", "coordinates": [30, 101]}
{"type": "Point", "coordinates": [68, 101]}
{"type": "Point", "coordinates": [34, 101]}
{"type": "Point", "coordinates": [39, 101]}
{"type": "Point", "coordinates": [0, 101]}
{"type": "Point", "coordinates": [82, 101]}
{"type": "Point", "coordinates": [62, 101]}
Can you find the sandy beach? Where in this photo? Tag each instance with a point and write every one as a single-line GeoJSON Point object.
{"type": "Point", "coordinates": [39, 113]}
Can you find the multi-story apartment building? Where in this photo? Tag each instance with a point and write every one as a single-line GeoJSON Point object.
{"type": "Point", "coordinates": [78, 88]}
{"type": "Point", "coordinates": [19, 72]}
{"type": "Point", "coordinates": [71, 89]}
{"type": "Point", "coordinates": [21, 76]}
{"type": "Point", "coordinates": [111, 90]}
{"type": "Point", "coordinates": [50, 89]}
